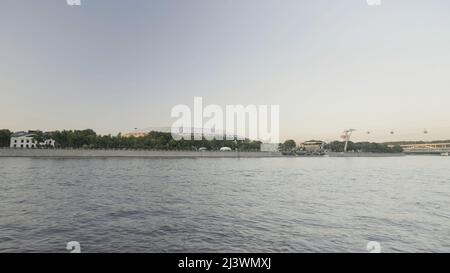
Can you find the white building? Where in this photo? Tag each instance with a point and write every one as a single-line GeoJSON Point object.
{"type": "Point", "coordinates": [23, 140]}
{"type": "Point", "coordinates": [270, 147]}
{"type": "Point", "coordinates": [48, 143]}
{"type": "Point", "coordinates": [313, 145]}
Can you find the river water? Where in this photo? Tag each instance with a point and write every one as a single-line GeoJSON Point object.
{"type": "Point", "coordinates": [225, 205]}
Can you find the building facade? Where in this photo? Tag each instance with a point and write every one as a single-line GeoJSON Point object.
{"type": "Point", "coordinates": [313, 145]}
{"type": "Point", "coordinates": [48, 143]}
{"type": "Point", "coordinates": [23, 140]}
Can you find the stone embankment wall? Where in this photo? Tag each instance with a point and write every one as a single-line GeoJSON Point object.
{"type": "Point", "coordinates": [8, 152]}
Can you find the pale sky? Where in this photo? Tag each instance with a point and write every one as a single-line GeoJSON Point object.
{"type": "Point", "coordinates": [330, 65]}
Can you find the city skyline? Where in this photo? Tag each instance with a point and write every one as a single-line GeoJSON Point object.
{"type": "Point", "coordinates": [116, 66]}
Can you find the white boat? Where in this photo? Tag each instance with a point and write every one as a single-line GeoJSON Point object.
{"type": "Point", "coordinates": [444, 154]}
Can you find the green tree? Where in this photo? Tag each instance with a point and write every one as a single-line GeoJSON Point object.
{"type": "Point", "coordinates": [289, 145]}
{"type": "Point", "coordinates": [5, 137]}
{"type": "Point", "coordinates": [88, 139]}
{"type": "Point", "coordinates": [367, 147]}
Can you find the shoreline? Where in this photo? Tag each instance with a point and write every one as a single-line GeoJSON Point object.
{"type": "Point", "coordinates": [80, 153]}
{"type": "Point", "coordinates": [117, 153]}
{"type": "Point", "coordinates": [364, 154]}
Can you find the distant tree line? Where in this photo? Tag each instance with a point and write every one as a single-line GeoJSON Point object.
{"type": "Point", "coordinates": [416, 142]}
{"type": "Point", "coordinates": [368, 147]}
{"type": "Point", "coordinates": [338, 146]}
{"type": "Point", "coordinates": [89, 139]}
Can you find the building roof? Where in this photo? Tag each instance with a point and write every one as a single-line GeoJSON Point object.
{"type": "Point", "coordinates": [22, 134]}
{"type": "Point", "coordinates": [313, 142]}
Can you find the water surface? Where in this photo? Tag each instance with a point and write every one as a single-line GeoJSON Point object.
{"type": "Point", "coordinates": [225, 205]}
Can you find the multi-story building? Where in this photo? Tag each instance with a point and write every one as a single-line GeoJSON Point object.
{"type": "Point", "coordinates": [23, 140]}
{"type": "Point", "coordinates": [26, 140]}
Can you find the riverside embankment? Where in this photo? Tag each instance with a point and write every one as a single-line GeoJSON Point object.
{"type": "Point", "coordinates": [363, 154]}
{"type": "Point", "coordinates": [80, 153]}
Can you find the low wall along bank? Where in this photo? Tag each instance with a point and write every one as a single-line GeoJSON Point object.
{"type": "Point", "coordinates": [8, 152]}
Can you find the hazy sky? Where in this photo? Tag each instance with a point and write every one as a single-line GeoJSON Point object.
{"type": "Point", "coordinates": [115, 65]}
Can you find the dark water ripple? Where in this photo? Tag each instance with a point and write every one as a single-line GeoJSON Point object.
{"type": "Point", "coordinates": [225, 205]}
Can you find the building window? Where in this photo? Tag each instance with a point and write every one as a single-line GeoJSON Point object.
{"type": "Point", "coordinates": [15, 145]}
{"type": "Point", "coordinates": [21, 141]}
{"type": "Point", "coordinates": [21, 145]}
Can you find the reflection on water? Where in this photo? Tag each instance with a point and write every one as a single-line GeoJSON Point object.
{"type": "Point", "coordinates": [225, 205]}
